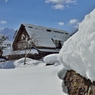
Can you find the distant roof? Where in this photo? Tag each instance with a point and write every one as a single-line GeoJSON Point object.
{"type": "Point", "coordinates": [8, 42]}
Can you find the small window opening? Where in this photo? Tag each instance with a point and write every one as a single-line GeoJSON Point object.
{"type": "Point", "coordinates": [48, 30]}
{"type": "Point", "coordinates": [30, 27]}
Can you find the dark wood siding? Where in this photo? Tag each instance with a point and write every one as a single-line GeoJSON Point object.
{"type": "Point", "coordinates": [18, 38]}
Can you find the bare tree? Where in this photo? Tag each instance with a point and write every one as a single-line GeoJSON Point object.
{"type": "Point", "coordinates": [31, 43]}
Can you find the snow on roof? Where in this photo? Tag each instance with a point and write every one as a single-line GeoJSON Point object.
{"type": "Point", "coordinates": [49, 50]}
{"type": "Point", "coordinates": [43, 27]}
{"type": "Point", "coordinates": [41, 37]}
{"type": "Point", "coordinates": [45, 34]}
{"type": "Point", "coordinates": [33, 51]}
{"type": "Point", "coordinates": [78, 52]}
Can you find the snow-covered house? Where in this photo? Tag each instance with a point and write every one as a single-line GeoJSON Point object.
{"type": "Point", "coordinates": [42, 37]}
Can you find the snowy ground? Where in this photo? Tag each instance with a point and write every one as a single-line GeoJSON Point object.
{"type": "Point", "coordinates": [32, 79]}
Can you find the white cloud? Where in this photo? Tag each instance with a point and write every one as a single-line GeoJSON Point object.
{"type": "Point", "coordinates": [77, 25]}
{"type": "Point", "coordinates": [3, 22]}
{"type": "Point", "coordinates": [61, 23]}
{"type": "Point", "coordinates": [67, 6]}
{"type": "Point", "coordinates": [61, 1]}
{"type": "Point", "coordinates": [70, 1]}
{"type": "Point", "coordinates": [6, 0]}
{"type": "Point", "coordinates": [55, 1]}
{"type": "Point", "coordinates": [58, 6]}
{"type": "Point", "coordinates": [74, 22]}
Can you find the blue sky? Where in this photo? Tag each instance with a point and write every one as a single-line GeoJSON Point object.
{"type": "Point", "coordinates": [61, 14]}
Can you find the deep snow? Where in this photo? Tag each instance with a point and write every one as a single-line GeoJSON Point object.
{"type": "Point", "coordinates": [34, 78]}
{"type": "Point", "coordinates": [51, 58]}
{"type": "Point", "coordinates": [78, 52]}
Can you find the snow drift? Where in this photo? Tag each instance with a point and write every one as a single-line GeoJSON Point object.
{"type": "Point", "coordinates": [78, 52]}
{"type": "Point", "coordinates": [51, 58]}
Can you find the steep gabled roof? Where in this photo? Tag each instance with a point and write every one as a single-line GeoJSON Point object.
{"type": "Point", "coordinates": [46, 34]}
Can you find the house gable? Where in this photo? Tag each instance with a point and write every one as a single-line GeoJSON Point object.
{"type": "Point", "coordinates": [20, 38]}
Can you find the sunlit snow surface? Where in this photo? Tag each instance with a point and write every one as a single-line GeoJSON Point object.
{"type": "Point", "coordinates": [34, 78]}
{"type": "Point", "coordinates": [51, 59]}
{"type": "Point", "coordinates": [78, 52]}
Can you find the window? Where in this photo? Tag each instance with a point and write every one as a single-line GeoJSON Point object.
{"type": "Point", "coordinates": [30, 27]}
{"type": "Point", "coordinates": [57, 43]}
{"type": "Point", "coordinates": [66, 33]}
{"type": "Point", "coordinates": [58, 32]}
{"type": "Point", "coordinates": [48, 30]}
{"type": "Point", "coordinates": [22, 37]}
{"type": "Point", "coordinates": [19, 45]}
{"type": "Point", "coordinates": [8, 45]}
{"type": "Point", "coordinates": [29, 45]}
{"type": "Point", "coordinates": [24, 45]}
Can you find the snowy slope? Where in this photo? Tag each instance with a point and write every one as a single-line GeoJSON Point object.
{"type": "Point", "coordinates": [78, 52]}
{"type": "Point", "coordinates": [32, 79]}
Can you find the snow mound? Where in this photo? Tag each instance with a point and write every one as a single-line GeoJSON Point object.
{"type": "Point", "coordinates": [51, 59]}
{"type": "Point", "coordinates": [78, 52]}
{"type": "Point", "coordinates": [20, 62]}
